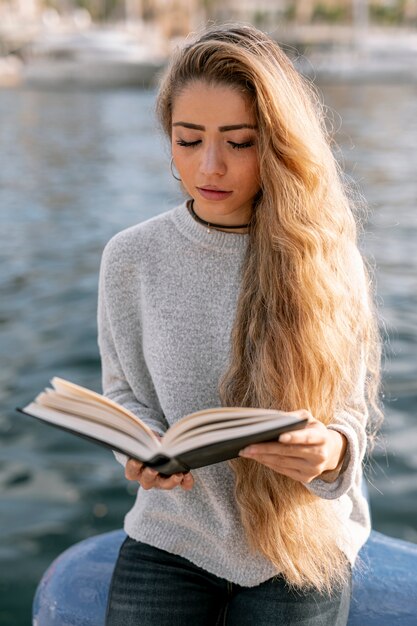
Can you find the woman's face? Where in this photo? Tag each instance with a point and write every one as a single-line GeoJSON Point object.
{"type": "Point", "coordinates": [214, 145]}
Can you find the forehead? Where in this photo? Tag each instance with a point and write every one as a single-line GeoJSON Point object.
{"type": "Point", "coordinates": [212, 104]}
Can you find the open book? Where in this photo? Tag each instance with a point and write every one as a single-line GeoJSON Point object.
{"type": "Point", "coordinates": [196, 440]}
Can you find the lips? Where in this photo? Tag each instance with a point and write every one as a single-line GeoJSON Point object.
{"type": "Point", "coordinates": [213, 193]}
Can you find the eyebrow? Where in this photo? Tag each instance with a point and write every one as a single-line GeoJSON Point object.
{"type": "Point", "coordinates": [222, 129]}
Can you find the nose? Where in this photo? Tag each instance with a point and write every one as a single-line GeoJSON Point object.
{"type": "Point", "coordinates": [212, 161]}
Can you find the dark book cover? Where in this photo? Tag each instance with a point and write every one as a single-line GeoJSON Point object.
{"type": "Point", "coordinates": [195, 458]}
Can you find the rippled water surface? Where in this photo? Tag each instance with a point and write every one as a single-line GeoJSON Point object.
{"type": "Point", "coordinates": [74, 169]}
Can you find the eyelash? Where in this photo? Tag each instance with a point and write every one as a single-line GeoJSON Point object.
{"type": "Point", "coordinates": [235, 146]}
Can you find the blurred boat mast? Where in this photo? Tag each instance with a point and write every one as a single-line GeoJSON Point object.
{"type": "Point", "coordinates": [360, 23]}
{"type": "Point", "coordinates": [133, 11]}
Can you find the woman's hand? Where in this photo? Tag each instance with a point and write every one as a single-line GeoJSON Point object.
{"type": "Point", "coordinates": [301, 454]}
{"type": "Point", "coordinates": [149, 478]}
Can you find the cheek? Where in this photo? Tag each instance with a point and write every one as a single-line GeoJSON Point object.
{"type": "Point", "coordinates": [183, 166]}
{"type": "Point", "coordinates": [183, 162]}
{"type": "Point", "coordinates": [250, 173]}
{"type": "Point", "coordinates": [180, 163]}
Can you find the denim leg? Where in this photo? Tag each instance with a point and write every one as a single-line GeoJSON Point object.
{"type": "Point", "coordinates": [273, 604]}
{"type": "Point", "coordinates": [151, 587]}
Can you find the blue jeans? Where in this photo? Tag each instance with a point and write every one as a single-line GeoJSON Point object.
{"type": "Point", "coordinates": [151, 587]}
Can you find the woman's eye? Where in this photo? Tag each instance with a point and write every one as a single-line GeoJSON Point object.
{"type": "Point", "coordinates": [187, 144]}
{"type": "Point", "coordinates": [240, 146]}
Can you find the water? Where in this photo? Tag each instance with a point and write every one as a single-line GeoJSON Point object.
{"type": "Point", "coordinates": [74, 169]}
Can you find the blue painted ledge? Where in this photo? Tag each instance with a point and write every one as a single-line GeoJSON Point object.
{"type": "Point", "coordinates": [73, 591]}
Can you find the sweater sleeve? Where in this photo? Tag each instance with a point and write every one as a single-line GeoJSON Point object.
{"type": "Point", "coordinates": [350, 423]}
{"type": "Point", "coordinates": [118, 329]}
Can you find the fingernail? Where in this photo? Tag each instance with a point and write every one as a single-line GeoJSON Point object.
{"type": "Point", "coordinates": [284, 438]}
{"type": "Point", "coordinates": [247, 451]}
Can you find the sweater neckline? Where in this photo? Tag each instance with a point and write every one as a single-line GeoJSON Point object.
{"type": "Point", "coordinates": [215, 239]}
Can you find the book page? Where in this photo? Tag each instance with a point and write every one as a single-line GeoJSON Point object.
{"type": "Point", "coordinates": [215, 436]}
{"type": "Point", "coordinates": [96, 413]}
{"type": "Point", "coordinates": [181, 435]}
{"type": "Point", "coordinates": [217, 416]}
{"type": "Point", "coordinates": [93, 430]}
{"type": "Point", "coordinates": [68, 389]}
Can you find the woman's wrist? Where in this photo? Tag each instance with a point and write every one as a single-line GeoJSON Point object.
{"type": "Point", "coordinates": [336, 458]}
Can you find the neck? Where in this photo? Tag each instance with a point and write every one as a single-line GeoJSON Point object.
{"type": "Point", "coordinates": [238, 228]}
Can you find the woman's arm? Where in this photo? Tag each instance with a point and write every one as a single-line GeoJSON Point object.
{"type": "Point", "coordinates": [120, 340]}
{"type": "Point", "coordinates": [327, 459]}
{"type": "Point", "coordinates": [122, 359]}
{"type": "Point", "coordinates": [315, 451]}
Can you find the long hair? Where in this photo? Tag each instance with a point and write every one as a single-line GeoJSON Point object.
{"type": "Point", "coordinates": [305, 328]}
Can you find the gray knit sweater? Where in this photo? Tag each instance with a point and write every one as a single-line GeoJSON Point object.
{"type": "Point", "coordinates": [167, 298]}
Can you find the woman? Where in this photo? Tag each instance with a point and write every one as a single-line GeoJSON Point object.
{"type": "Point", "coordinates": [251, 293]}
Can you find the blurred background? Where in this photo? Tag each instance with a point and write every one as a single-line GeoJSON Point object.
{"type": "Point", "coordinates": [81, 158]}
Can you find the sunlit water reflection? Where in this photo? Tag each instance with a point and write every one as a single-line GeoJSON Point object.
{"type": "Point", "coordinates": [74, 169]}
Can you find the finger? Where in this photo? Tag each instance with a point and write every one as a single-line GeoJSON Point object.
{"type": "Point", "coordinates": [308, 453]}
{"type": "Point", "coordinates": [287, 463]}
{"type": "Point", "coordinates": [300, 469]}
{"type": "Point", "coordinates": [187, 482]}
{"type": "Point", "coordinates": [297, 472]}
{"type": "Point", "coordinates": [297, 448]}
{"type": "Point", "coordinates": [133, 469]}
{"type": "Point", "coordinates": [307, 437]}
{"type": "Point", "coordinates": [169, 482]}
{"type": "Point", "coordinates": [292, 472]}
{"type": "Point", "coordinates": [148, 478]}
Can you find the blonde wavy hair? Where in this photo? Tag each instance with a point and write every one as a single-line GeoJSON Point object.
{"type": "Point", "coordinates": [305, 327]}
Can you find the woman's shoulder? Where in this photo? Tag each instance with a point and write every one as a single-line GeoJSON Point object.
{"type": "Point", "coordinates": [139, 239]}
